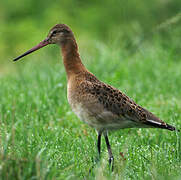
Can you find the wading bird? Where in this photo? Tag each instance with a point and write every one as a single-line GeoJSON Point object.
{"type": "Point", "coordinates": [101, 106]}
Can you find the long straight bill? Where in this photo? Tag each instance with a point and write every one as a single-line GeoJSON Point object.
{"type": "Point", "coordinates": [40, 45]}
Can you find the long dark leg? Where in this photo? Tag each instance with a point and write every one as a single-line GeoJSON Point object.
{"type": "Point", "coordinates": [111, 158]}
{"type": "Point", "coordinates": [99, 143]}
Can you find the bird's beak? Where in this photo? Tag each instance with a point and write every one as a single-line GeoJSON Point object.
{"type": "Point", "coordinates": [40, 45]}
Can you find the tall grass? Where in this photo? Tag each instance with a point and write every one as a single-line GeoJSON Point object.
{"type": "Point", "coordinates": [41, 138]}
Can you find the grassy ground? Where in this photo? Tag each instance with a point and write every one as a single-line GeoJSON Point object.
{"type": "Point", "coordinates": [41, 138]}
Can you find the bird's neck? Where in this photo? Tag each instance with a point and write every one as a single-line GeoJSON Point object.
{"type": "Point", "coordinates": [71, 58]}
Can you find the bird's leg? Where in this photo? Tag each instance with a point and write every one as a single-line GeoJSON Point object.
{"type": "Point", "coordinates": [111, 158]}
{"type": "Point", "coordinates": [99, 143]}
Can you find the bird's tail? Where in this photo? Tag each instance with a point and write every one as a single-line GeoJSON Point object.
{"type": "Point", "coordinates": [161, 125]}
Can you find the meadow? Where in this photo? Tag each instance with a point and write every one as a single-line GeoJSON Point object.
{"type": "Point", "coordinates": [41, 138]}
{"type": "Point", "coordinates": [136, 51]}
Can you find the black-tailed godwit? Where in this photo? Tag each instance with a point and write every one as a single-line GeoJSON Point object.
{"type": "Point", "coordinates": [101, 106]}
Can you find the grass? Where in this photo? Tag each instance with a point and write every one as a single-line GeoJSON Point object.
{"type": "Point", "coordinates": [41, 138]}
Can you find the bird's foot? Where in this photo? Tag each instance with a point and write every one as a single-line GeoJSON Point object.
{"type": "Point", "coordinates": [111, 163]}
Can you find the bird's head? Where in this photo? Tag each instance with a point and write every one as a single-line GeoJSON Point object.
{"type": "Point", "coordinates": [59, 34]}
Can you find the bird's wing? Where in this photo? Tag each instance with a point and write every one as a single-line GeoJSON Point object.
{"type": "Point", "coordinates": [116, 104]}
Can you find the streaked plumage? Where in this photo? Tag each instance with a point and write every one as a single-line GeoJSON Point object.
{"type": "Point", "coordinates": [107, 108]}
{"type": "Point", "coordinates": [101, 106]}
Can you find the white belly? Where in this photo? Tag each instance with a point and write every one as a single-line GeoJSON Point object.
{"type": "Point", "coordinates": [105, 120]}
{"type": "Point", "coordinates": [84, 115]}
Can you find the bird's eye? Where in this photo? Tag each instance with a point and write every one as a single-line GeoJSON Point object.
{"type": "Point", "coordinates": [54, 32]}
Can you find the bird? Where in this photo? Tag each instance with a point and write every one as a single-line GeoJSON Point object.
{"type": "Point", "coordinates": [96, 103]}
